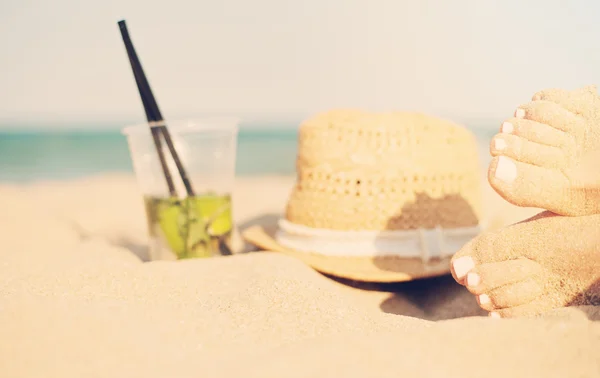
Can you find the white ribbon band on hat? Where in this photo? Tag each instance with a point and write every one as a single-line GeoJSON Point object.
{"type": "Point", "coordinates": [421, 243]}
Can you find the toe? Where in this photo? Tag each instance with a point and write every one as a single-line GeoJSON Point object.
{"type": "Point", "coordinates": [536, 307]}
{"type": "Point", "coordinates": [592, 88]}
{"type": "Point", "coordinates": [490, 276]}
{"type": "Point", "coordinates": [537, 132]}
{"type": "Point", "coordinates": [557, 95]}
{"type": "Point", "coordinates": [576, 101]}
{"type": "Point", "coordinates": [551, 114]}
{"type": "Point", "coordinates": [528, 185]}
{"type": "Point", "coordinates": [460, 266]}
{"type": "Point", "coordinates": [509, 296]}
{"type": "Point", "coordinates": [525, 151]}
{"type": "Point", "coordinates": [488, 247]}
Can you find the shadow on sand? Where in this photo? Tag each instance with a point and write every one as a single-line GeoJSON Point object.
{"type": "Point", "coordinates": [438, 298]}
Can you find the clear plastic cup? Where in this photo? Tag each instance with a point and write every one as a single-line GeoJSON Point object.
{"type": "Point", "coordinates": [179, 226]}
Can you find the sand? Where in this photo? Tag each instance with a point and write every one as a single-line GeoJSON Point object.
{"type": "Point", "coordinates": [78, 299]}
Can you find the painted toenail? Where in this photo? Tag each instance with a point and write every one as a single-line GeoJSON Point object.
{"type": "Point", "coordinates": [494, 315]}
{"type": "Point", "coordinates": [499, 144]}
{"type": "Point", "coordinates": [520, 113]}
{"type": "Point", "coordinates": [507, 128]}
{"type": "Point", "coordinates": [506, 170]}
{"type": "Point", "coordinates": [462, 266]}
{"type": "Point", "coordinates": [484, 299]}
{"type": "Point", "coordinates": [473, 279]}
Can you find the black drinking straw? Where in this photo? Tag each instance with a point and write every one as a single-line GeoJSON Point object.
{"type": "Point", "coordinates": [154, 117]}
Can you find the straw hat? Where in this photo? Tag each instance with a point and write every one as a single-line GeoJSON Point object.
{"type": "Point", "coordinates": [379, 197]}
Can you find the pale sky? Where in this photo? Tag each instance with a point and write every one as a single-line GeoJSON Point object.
{"type": "Point", "coordinates": [65, 60]}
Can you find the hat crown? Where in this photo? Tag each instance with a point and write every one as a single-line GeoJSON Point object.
{"type": "Point", "coordinates": [385, 171]}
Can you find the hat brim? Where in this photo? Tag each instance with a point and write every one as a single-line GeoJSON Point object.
{"type": "Point", "coordinates": [381, 269]}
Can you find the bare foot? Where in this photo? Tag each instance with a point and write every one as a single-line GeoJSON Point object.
{"type": "Point", "coordinates": [544, 262]}
{"type": "Point", "coordinates": [547, 155]}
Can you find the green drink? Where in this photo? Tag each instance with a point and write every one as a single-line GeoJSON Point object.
{"type": "Point", "coordinates": [192, 227]}
{"type": "Point", "coordinates": [183, 223]}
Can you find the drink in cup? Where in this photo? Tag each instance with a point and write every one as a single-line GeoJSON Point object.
{"type": "Point", "coordinates": [184, 226]}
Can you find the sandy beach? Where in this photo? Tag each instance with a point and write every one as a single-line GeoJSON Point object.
{"type": "Point", "coordinates": [79, 299]}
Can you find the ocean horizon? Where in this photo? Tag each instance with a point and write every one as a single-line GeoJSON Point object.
{"type": "Point", "coordinates": [40, 153]}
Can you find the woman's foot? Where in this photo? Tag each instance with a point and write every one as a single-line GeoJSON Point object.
{"type": "Point", "coordinates": [544, 262]}
{"type": "Point", "coordinates": [547, 155]}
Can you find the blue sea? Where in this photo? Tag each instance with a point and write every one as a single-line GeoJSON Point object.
{"type": "Point", "coordinates": [64, 154]}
